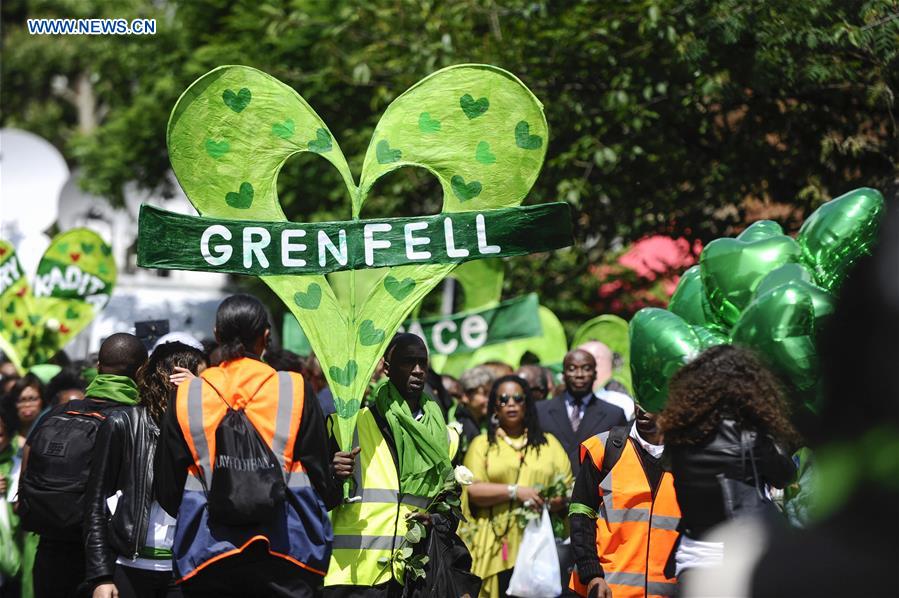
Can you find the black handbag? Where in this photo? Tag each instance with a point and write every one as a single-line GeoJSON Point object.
{"type": "Point", "coordinates": [742, 499]}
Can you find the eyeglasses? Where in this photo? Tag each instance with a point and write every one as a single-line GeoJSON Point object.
{"type": "Point", "coordinates": [503, 400]}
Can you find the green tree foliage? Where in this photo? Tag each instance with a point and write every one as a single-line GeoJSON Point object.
{"type": "Point", "coordinates": [665, 115]}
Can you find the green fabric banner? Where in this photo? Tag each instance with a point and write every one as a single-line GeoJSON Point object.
{"type": "Point", "coordinates": [468, 331]}
{"type": "Point", "coordinates": [175, 241]}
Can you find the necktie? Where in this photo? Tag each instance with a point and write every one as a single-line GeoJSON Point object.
{"type": "Point", "coordinates": [575, 415]}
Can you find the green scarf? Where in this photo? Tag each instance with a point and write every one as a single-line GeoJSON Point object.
{"type": "Point", "coordinates": [422, 446]}
{"type": "Point", "coordinates": [120, 389]}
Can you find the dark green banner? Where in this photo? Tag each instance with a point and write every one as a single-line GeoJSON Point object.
{"type": "Point", "coordinates": [466, 332]}
{"type": "Point", "coordinates": [177, 242]}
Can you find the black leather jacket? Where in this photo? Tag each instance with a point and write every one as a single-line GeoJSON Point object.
{"type": "Point", "coordinates": [695, 469]}
{"type": "Point", "coordinates": [126, 443]}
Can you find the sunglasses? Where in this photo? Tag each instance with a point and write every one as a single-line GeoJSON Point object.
{"type": "Point", "coordinates": [503, 400]}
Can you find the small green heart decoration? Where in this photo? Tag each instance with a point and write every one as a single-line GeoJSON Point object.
{"type": "Point", "coordinates": [88, 248]}
{"type": "Point", "coordinates": [473, 108]}
{"type": "Point", "coordinates": [311, 299]}
{"type": "Point", "coordinates": [732, 269]}
{"type": "Point", "coordinates": [524, 139]}
{"type": "Point", "coordinates": [399, 289]}
{"type": "Point", "coordinates": [284, 130]}
{"type": "Point", "coordinates": [71, 313]}
{"type": "Point", "coordinates": [465, 191]}
{"type": "Point", "coordinates": [346, 409]}
{"type": "Point", "coordinates": [241, 200]}
{"type": "Point", "coordinates": [835, 235]}
{"type": "Point", "coordinates": [403, 137]}
{"type": "Point", "coordinates": [426, 124]}
{"type": "Point", "coordinates": [385, 154]}
{"type": "Point", "coordinates": [217, 149]}
{"type": "Point", "coordinates": [369, 335]}
{"type": "Point", "coordinates": [321, 143]}
{"type": "Point", "coordinates": [483, 154]}
{"type": "Point", "coordinates": [344, 376]}
{"type": "Point", "coordinates": [237, 101]}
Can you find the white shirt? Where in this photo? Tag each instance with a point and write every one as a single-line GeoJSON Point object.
{"type": "Point", "coordinates": [619, 399]}
{"type": "Point", "coordinates": [654, 450]}
{"type": "Point", "coordinates": [160, 534]}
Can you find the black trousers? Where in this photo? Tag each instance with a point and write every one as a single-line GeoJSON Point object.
{"type": "Point", "coordinates": [58, 569]}
{"type": "Point", "coordinates": [253, 573]}
{"type": "Point", "coordinates": [132, 582]}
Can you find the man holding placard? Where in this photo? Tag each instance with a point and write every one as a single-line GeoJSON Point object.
{"type": "Point", "coordinates": [401, 459]}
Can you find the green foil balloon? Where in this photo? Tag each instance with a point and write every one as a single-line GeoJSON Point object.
{"type": "Point", "coordinates": [732, 268]}
{"type": "Point", "coordinates": [761, 229]}
{"type": "Point", "coordinates": [838, 233]}
{"type": "Point", "coordinates": [822, 301]}
{"type": "Point", "coordinates": [781, 326]}
{"type": "Point", "coordinates": [689, 300]}
{"type": "Point", "coordinates": [661, 342]}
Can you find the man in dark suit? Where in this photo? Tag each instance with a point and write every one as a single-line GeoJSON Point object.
{"type": "Point", "coordinates": [577, 414]}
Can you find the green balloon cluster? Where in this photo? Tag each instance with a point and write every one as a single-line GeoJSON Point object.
{"type": "Point", "coordinates": [763, 290]}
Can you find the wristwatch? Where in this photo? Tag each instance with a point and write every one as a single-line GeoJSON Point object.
{"type": "Point", "coordinates": [513, 491]}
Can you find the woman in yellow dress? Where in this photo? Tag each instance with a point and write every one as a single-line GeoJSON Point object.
{"type": "Point", "coordinates": [508, 462]}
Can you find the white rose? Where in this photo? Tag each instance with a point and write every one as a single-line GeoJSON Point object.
{"type": "Point", "coordinates": [52, 324]}
{"type": "Point", "coordinates": [463, 475]}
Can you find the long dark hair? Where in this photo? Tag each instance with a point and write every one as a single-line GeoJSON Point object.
{"type": "Point", "coordinates": [531, 423]}
{"type": "Point", "coordinates": [239, 323]}
{"type": "Point", "coordinates": [153, 376]}
{"type": "Point", "coordinates": [724, 381]}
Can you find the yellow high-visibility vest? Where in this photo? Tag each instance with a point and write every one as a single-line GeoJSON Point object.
{"type": "Point", "coordinates": [373, 524]}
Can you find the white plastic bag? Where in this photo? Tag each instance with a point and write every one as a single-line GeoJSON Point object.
{"type": "Point", "coordinates": [536, 572]}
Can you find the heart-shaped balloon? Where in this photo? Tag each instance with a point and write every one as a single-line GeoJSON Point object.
{"type": "Point", "coordinates": [732, 268]}
{"type": "Point", "coordinates": [781, 326]}
{"type": "Point", "coordinates": [822, 301]}
{"type": "Point", "coordinates": [838, 233]}
{"type": "Point", "coordinates": [661, 342]}
{"type": "Point", "coordinates": [690, 302]}
{"type": "Point", "coordinates": [74, 280]}
{"type": "Point", "coordinates": [437, 124]}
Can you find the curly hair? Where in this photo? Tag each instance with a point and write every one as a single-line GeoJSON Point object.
{"type": "Point", "coordinates": [153, 376]}
{"type": "Point", "coordinates": [724, 381]}
{"type": "Point", "coordinates": [536, 438]}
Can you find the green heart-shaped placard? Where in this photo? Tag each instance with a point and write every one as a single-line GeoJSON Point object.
{"type": "Point", "coordinates": [72, 284]}
{"type": "Point", "coordinates": [424, 127]}
{"type": "Point", "coordinates": [16, 330]}
{"type": "Point", "coordinates": [732, 268]}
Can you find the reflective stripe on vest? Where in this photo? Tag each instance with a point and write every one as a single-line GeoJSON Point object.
{"type": "Point", "coordinates": [635, 532]}
{"type": "Point", "coordinates": [277, 417]}
{"type": "Point", "coordinates": [372, 525]}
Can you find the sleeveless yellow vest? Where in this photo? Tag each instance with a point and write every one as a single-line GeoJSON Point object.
{"type": "Point", "coordinates": [372, 525]}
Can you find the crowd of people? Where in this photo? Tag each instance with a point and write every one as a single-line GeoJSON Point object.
{"type": "Point", "coordinates": [219, 469]}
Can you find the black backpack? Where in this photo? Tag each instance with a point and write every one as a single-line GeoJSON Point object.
{"type": "Point", "coordinates": [247, 480]}
{"type": "Point", "coordinates": [51, 491]}
{"type": "Point", "coordinates": [614, 447]}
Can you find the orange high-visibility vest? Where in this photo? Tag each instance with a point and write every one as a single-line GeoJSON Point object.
{"type": "Point", "coordinates": [273, 402]}
{"type": "Point", "coordinates": [634, 532]}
